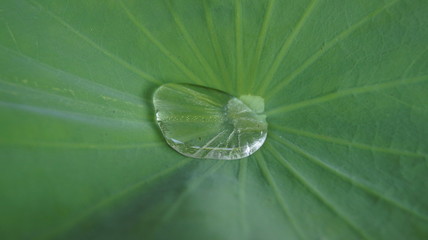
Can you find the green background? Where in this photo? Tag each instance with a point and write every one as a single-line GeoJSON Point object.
{"type": "Point", "coordinates": [346, 90]}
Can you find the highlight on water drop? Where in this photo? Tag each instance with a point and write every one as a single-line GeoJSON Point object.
{"type": "Point", "coordinates": [201, 122]}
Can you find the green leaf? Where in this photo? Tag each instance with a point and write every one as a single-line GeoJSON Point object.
{"type": "Point", "coordinates": [345, 86]}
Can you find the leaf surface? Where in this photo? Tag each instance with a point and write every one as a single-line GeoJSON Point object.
{"type": "Point", "coordinates": [345, 85]}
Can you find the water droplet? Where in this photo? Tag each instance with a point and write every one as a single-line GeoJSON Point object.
{"type": "Point", "coordinates": [202, 122]}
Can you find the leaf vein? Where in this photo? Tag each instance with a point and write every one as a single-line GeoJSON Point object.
{"type": "Point", "coordinates": [242, 176]}
{"type": "Point", "coordinates": [341, 36]}
{"type": "Point", "coordinates": [78, 81]}
{"type": "Point", "coordinates": [183, 194]}
{"type": "Point", "coordinates": [73, 116]}
{"type": "Point", "coordinates": [314, 191]}
{"type": "Point", "coordinates": [216, 45]}
{"type": "Point", "coordinates": [161, 47]}
{"type": "Point", "coordinates": [260, 43]}
{"type": "Point", "coordinates": [286, 46]}
{"type": "Point", "coordinates": [266, 173]}
{"type": "Point", "coordinates": [344, 177]}
{"type": "Point", "coordinates": [349, 143]}
{"type": "Point", "coordinates": [97, 46]}
{"type": "Point", "coordinates": [193, 45]}
{"type": "Point", "coordinates": [345, 93]}
{"type": "Point", "coordinates": [106, 202]}
{"type": "Point", "coordinates": [239, 46]}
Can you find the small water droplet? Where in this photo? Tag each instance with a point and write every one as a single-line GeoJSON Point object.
{"type": "Point", "coordinates": [202, 122]}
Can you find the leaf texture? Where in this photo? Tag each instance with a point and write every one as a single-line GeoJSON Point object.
{"type": "Point", "coordinates": [345, 85]}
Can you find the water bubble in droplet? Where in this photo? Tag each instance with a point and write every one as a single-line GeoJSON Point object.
{"type": "Point", "coordinates": [202, 122]}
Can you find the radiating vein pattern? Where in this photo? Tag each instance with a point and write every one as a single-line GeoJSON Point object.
{"type": "Point", "coordinates": [97, 46]}
{"type": "Point", "coordinates": [108, 201]}
{"type": "Point", "coordinates": [285, 208]}
{"type": "Point", "coordinates": [340, 141]}
{"type": "Point", "coordinates": [317, 193]}
{"type": "Point", "coordinates": [242, 203]}
{"type": "Point", "coordinates": [194, 47]}
{"type": "Point", "coordinates": [59, 77]}
{"type": "Point", "coordinates": [239, 45]}
{"type": "Point", "coordinates": [260, 43]}
{"type": "Point", "coordinates": [286, 46]}
{"type": "Point", "coordinates": [346, 33]}
{"type": "Point", "coordinates": [216, 46]}
{"type": "Point", "coordinates": [85, 154]}
{"type": "Point", "coordinates": [346, 178]}
{"type": "Point", "coordinates": [347, 92]}
{"type": "Point", "coordinates": [152, 38]}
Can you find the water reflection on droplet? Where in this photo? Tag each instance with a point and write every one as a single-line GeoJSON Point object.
{"type": "Point", "coordinates": [202, 122]}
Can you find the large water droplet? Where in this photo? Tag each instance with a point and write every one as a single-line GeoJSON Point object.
{"type": "Point", "coordinates": [202, 122]}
